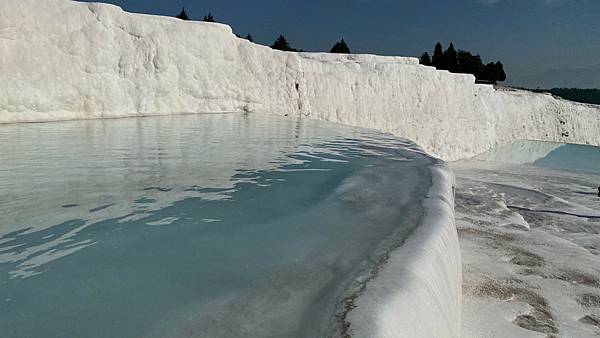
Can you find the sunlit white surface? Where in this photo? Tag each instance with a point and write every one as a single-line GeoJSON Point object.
{"type": "Point", "coordinates": [529, 225]}
{"type": "Point", "coordinates": [63, 59]}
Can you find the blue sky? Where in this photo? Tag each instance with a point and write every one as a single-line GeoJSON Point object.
{"type": "Point", "coordinates": [539, 41]}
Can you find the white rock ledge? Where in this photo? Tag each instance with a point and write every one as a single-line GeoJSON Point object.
{"type": "Point", "coordinates": [68, 60]}
{"type": "Point", "coordinates": [65, 60]}
{"type": "Point", "coordinates": [418, 292]}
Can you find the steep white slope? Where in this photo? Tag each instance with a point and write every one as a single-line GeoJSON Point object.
{"type": "Point", "coordinates": [417, 293]}
{"type": "Point", "coordinates": [68, 60]}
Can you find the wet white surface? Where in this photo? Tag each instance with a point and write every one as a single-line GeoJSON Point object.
{"type": "Point", "coordinates": [530, 244]}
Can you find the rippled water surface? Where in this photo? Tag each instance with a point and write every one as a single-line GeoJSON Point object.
{"type": "Point", "coordinates": [196, 226]}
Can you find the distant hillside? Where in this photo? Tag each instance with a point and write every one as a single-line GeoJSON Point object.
{"type": "Point", "coordinates": [588, 77]}
{"type": "Point", "coordinates": [574, 94]}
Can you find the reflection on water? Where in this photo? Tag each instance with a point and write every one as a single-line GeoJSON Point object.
{"type": "Point", "coordinates": [200, 225]}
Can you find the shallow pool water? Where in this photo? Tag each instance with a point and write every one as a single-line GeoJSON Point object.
{"type": "Point", "coordinates": [561, 156]}
{"type": "Point", "coordinates": [198, 225]}
{"type": "Point", "coordinates": [572, 157]}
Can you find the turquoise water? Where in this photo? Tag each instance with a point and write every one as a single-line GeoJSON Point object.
{"type": "Point", "coordinates": [572, 157]}
{"type": "Point", "coordinates": [196, 226]}
{"type": "Point", "coordinates": [561, 156]}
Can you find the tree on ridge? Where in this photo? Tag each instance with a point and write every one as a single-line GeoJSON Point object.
{"type": "Point", "coordinates": [282, 44]}
{"type": "Point", "coordinates": [425, 59]}
{"type": "Point", "coordinates": [468, 63]}
{"type": "Point", "coordinates": [492, 72]}
{"type": "Point", "coordinates": [183, 15]}
{"type": "Point", "coordinates": [450, 58]}
{"type": "Point", "coordinates": [209, 18]}
{"type": "Point", "coordinates": [340, 47]}
{"type": "Point", "coordinates": [437, 60]}
{"type": "Point", "coordinates": [500, 74]}
{"type": "Point", "coordinates": [462, 61]}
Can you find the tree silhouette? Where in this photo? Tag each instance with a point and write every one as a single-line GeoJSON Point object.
{"type": "Point", "coordinates": [340, 48]}
{"type": "Point", "coordinates": [425, 59]}
{"type": "Point", "coordinates": [183, 15]}
{"type": "Point", "coordinates": [500, 74]}
{"type": "Point", "coordinates": [208, 18]}
{"type": "Point", "coordinates": [450, 59]}
{"type": "Point", "coordinates": [468, 63]}
{"type": "Point", "coordinates": [462, 61]}
{"type": "Point", "coordinates": [282, 44]}
{"type": "Point", "coordinates": [437, 60]}
{"type": "Point", "coordinates": [487, 73]}
{"type": "Point", "coordinates": [493, 72]}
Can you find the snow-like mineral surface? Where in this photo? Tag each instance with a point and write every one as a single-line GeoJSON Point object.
{"type": "Point", "coordinates": [417, 293]}
{"type": "Point", "coordinates": [530, 243]}
{"type": "Point", "coordinates": [68, 60]}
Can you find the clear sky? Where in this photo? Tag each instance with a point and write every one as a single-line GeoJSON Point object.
{"type": "Point", "coordinates": [540, 42]}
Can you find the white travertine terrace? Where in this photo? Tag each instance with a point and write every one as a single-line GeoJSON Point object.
{"type": "Point", "coordinates": [67, 60]}
{"type": "Point", "coordinates": [62, 60]}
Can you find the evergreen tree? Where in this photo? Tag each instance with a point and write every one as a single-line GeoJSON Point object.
{"type": "Point", "coordinates": [493, 72]}
{"type": "Point", "coordinates": [468, 63]}
{"type": "Point", "coordinates": [249, 38]}
{"type": "Point", "coordinates": [464, 62]}
{"type": "Point", "coordinates": [488, 74]}
{"type": "Point", "coordinates": [437, 60]}
{"type": "Point", "coordinates": [450, 58]}
{"type": "Point", "coordinates": [183, 15]}
{"type": "Point", "coordinates": [282, 44]}
{"type": "Point", "coordinates": [208, 18]}
{"type": "Point", "coordinates": [340, 48]}
{"type": "Point", "coordinates": [425, 59]}
{"type": "Point", "coordinates": [499, 72]}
